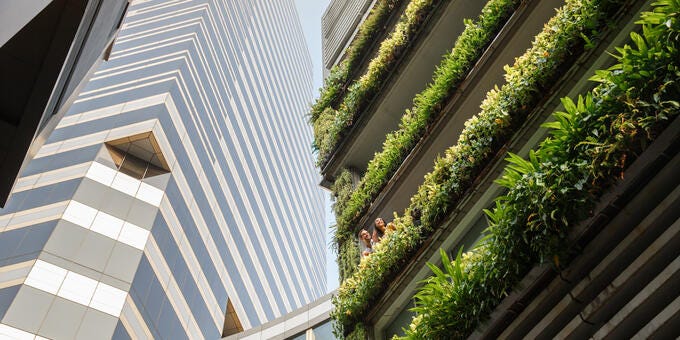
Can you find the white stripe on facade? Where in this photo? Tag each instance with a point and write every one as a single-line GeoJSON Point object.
{"type": "Point", "coordinates": [75, 287]}
{"type": "Point", "coordinates": [191, 56]}
{"type": "Point", "coordinates": [134, 322]}
{"type": "Point", "coordinates": [172, 291]}
{"type": "Point", "coordinates": [200, 222]}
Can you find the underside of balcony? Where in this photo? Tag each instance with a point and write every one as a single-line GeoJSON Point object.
{"type": "Point", "coordinates": [463, 226]}
{"type": "Point", "coordinates": [411, 75]}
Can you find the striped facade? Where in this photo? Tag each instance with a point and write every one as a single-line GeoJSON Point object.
{"type": "Point", "coordinates": [209, 97]}
{"type": "Point", "coordinates": [339, 24]}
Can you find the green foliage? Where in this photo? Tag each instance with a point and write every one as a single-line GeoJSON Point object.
{"type": "Point", "coordinates": [348, 258]}
{"type": "Point", "coordinates": [504, 108]}
{"type": "Point", "coordinates": [335, 84]}
{"type": "Point", "coordinates": [427, 106]}
{"type": "Point", "coordinates": [325, 125]}
{"type": "Point", "coordinates": [352, 300]}
{"type": "Point", "coordinates": [361, 91]}
{"type": "Point", "coordinates": [483, 135]}
{"type": "Point", "coordinates": [359, 333]}
{"type": "Point", "coordinates": [446, 292]}
{"type": "Point", "coordinates": [551, 190]}
{"type": "Point", "coordinates": [348, 249]}
{"type": "Point", "coordinates": [342, 189]}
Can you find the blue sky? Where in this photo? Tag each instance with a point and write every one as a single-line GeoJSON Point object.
{"type": "Point", "coordinates": [310, 12]}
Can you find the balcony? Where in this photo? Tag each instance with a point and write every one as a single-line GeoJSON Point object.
{"type": "Point", "coordinates": [339, 26]}
{"type": "Point", "coordinates": [511, 42]}
{"type": "Point", "coordinates": [411, 75]}
{"type": "Point", "coordinates": [466, 222]}
{"type": "Point", "coordinates": [460, 227]}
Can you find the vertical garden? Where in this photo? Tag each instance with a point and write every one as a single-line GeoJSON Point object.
{"type": "Point", "coordinates": [591, 143]}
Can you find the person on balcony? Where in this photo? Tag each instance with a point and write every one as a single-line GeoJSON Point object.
{"type": "Point", "coordinates": [380, 229]}
{"type": "Point", "coordinates": [365, 242]}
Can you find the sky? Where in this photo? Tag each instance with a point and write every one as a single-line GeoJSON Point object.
{"type": "Point", "coordinates": [310, 12]}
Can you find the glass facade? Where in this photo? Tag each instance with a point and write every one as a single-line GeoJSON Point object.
{"type": "Point", "coordinates": [310, 322]}
{"type": "Point", "coordinates": [180, 181]}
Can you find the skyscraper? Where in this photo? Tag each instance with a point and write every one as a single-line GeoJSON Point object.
{"type": "Point", "coordinates": [339, 25]}
{"type": "Point", "coordinates": [48, 50]}
{"type": "Point", "coordinates": [177, 198]}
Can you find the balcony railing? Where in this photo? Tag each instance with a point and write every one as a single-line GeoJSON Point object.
{"type": "Point", "coordinates": [482, 139]}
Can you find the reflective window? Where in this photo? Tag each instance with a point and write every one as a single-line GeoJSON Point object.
{"type": "Point", "coordinates": [133, 166]}
{"type": "Point", "coordinates": [323, 331]}
{"type": "Point", "coordinates": [135, 158]}
{"type": "Point", "coordinates": [79, 214]}
{"type": "Point", "coordinates": [46, 277]}
{"type": "Point", "coordinates": [126, 184]}
{"type": "Point", "coordinates": [232, 324]}
{"type": "Point", "coordinates": [108, 299]}
{"type": "Point", "coordinates": [107, 225]}
{"type": "Point", "coordinates": [101, 173]}
{"type": "Point", "coordinates": [9, 332]}
{"type": "Point", "coordinates": [401, 321]}
{"type": "Point", "coordinates": [77, 288]}
{"type": "Point", "coordinates": [133, 235]}
{"type": "Point", "coordinates": [150, 194]}
{"type": "Point", "coordinates": [138, 156]}
{"type": "Point", "coordinates": [301, 336]}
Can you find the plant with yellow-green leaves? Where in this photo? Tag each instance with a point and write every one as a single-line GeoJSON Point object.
{"type": "Point", "coordinates": [590, 146]}
{"type": "Point", "coordinates": [335, 84]}
{"type": "Point", "coordinates": [427, 106]}
{"type": "Point", "coordinates": [483, 136]}
{"type": "Point", "coordinates": [330, 124]}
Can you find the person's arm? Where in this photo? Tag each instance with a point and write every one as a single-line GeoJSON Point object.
{"type": "Point", "coordinates": [375, 237]}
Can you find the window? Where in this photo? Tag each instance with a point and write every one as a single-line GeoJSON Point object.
{"type": "Point", "coordinates": [138, 156]}
{"type": "Point", "coordinates": [232, 324]}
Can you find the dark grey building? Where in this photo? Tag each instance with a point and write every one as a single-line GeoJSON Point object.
{"type": "Point", "coordinates": [47, 50]}
{"type": "Point", "coordinates": [176, 198]}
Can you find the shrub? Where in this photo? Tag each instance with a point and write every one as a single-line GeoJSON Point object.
{"type": "Point", "coordinates": [483, 135]}
{"type": "Point", "coordinates": [549, 192]}
{"type": "Point", "coordinates": [427, 106]}
{"type": "Point", "coordinates": [335, 83]}
{"type": "Point", "coordinates": [348, 258]}
{"type": "Point", "coordinates": [360, 92]}
{"type": "Point", "coordinates": [359, 333]}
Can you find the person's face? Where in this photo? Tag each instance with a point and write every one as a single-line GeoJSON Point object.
{"type": "Point", "coordinates": [379, 222]}
{"type": "Point", "coordinates": [365, 235]}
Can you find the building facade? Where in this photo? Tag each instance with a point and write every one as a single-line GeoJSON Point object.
{"type": "Point", "coordinates": [339, 25]}
{"type": "Point", "coordinates": [310, 322]}
{"type": "Point", "coordinates": [177, 197]}
{"type": "Point", "coordinates": [418, 121]}
{"type": "Point", "coordinates": [48, 50]}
